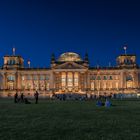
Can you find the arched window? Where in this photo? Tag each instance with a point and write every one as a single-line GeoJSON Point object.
{"type": "Point", "coordinates": [29, 77]}
{"type": "Point", "coordinates": [110, 78]}
{"type": "Point", "coordinates": [93, 77]}
{"type": "Point", "coordinates": [129, 78]}
{"type": "Point", "coordinates": [11, 78]}
{"type": "Point", "coordinates": [98, 78]}
{"type": "Point", "coordinates": [8, 62]}
{"type": "Point", "coordinates": [35, 77]}
{"type": "Point", "coordinates": [47, 77]}
{"type": "Point", "coordinates": [42, 77]}
{"type": "Point", "coordinates": [105, 77]}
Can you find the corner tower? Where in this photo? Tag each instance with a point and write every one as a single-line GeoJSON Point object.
{"type": "Point", "coordinates": [128, 61]}
{"type": "Point", "coordinates": [13, 61]}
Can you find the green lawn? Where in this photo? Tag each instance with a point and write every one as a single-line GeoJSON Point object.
{"type": "Point", "coordinates": [69, 120]}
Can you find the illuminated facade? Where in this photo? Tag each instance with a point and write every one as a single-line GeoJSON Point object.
{"type": "Point", "coordinates": [69, 74]}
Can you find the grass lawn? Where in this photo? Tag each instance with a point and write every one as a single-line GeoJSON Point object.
{"type": "Point", "coordinates": [69, 120]}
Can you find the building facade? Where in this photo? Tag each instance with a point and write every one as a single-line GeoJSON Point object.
{"type": "Point", "coordinates": [69, 74]}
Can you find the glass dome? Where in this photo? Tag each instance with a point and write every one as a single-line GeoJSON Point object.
{"type": "Point", "coordinates": [69, 56]}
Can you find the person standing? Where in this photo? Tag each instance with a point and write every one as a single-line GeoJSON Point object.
{"type": "Point", "coordinates": [16, 97]}
{"type": "Point", "coordinates": [22, 97]}
{"type": "Point", "coordinates": [36, 97]}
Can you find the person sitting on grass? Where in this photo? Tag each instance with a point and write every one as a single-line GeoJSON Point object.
{"type": "Point", "coordinates": [99, 103]}
{"type": "Point", "coordinates": [108, 103]}
{"type": "Point", "coordinates": [26, 101]}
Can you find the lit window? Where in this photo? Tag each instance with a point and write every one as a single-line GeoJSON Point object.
{"type": "Point", "coordinates": [11, 78]}
{"type": "Point", "coordinates": [110, 78]}
{"type": "Point", "coordinates": [47, 77]}
{"type": "Point", "coordinates": [42, 77]}
{"type": "Point", "coordinates": [92, 86]}
{"type": "Point", "coordinates": [93, 77]}
{"type": "Point", "coordinates": [129, 78]}
{"type": "Point", "coordinates": [23, 78]}
{"type": "Point", "coordinates": [105, 77]}
{"type": "Point", "coordinates": [63, 78]}
{"type": "Point", "coordinates": [29, 77]}
{"type": "Point", "coordinates": [35, 77]}
{"type": "Point", "coordinates": [98, 78]}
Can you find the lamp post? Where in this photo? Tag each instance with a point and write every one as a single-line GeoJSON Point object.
{"type": "Point", "coordinates": [125, 50]}
{"type": "Point", "coordinates": [14, 51]}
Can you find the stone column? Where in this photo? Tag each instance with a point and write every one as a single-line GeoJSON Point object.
{"type": "Point", "coordinates": [18, 81]}
{"type": "Point", "coordinates": [52, 81]}
{"type": "Point", "coordinates": [66, 80]}
{"type": "Point", "coordinates": [45, 82]}
{"type": "Point", "coordinates": [135, 80]}
{"type": "Point", "coordinates": [38, 76]}
{"type": "Point", "coordinates": [88, 81]}
{"type": "Point", "coordinates": [79, 79]}
{"type": "Point", "coordinates": [73, 78]}
{"type": "Point", "coordinates": [32, 81]}
{"type": "Point", "coordinates": [121, 85]}
{"type": "Point", "coordinates": [5, 80]}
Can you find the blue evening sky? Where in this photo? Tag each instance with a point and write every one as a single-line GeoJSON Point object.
{"type": "Point", "coordinates": [38, 28]}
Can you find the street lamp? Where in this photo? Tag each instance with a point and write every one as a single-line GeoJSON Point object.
{"type": "Point", "coordinates": [125, 49]}
{"type": "Point", "coordinates": [29, 63]}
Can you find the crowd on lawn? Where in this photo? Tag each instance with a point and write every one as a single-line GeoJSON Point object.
{"type": "Point", "coordinates": [23, 99]}
{"type": "Point", "coordinates": [107, 103]}
{"type": "Point", "coordinates": [63, 97]}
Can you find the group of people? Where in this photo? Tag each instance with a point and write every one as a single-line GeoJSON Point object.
{"type": "Point", "coordinates": [23, 99]}
{"type": "Point", "coordinates": [107, 103]}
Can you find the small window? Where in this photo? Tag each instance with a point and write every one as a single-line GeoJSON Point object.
{"type": "Point", "coordinates": [47, 77]}
{"type": "Point", "coordinates": [8, 62]}
{"type": "Point", "coordinates": [29, 77]}
{"type": "Point", "coordinates": [35, 77]}
{"type": "Point", "coordinates": [129, 78]}
{"type": "Point", "coordinates": [105, 77]}
{"type": "Point", "coordinates": [93, 77]}
{"type": "Point", "coordinates": [11, 78]}
{"type": "Point", "coordinates": [110, 78]}
{"type": "Point", "coordinates": [98, 78]}
{"type": "Point", "coordinates": [42, 77]}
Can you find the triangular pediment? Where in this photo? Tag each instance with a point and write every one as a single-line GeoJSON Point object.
{"type": "Point", "coordinates": [70, 65]}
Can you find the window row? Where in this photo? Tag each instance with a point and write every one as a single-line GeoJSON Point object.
{"type": "Point", "coordinates": [94, 77]}
{"type": "Point", "coordinates": [35, 77]}
{"type": "Point", "coordinates": [12, 62]}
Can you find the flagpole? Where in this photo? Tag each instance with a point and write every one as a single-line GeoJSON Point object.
{"type": "Point", "coordinates": [98, 80]}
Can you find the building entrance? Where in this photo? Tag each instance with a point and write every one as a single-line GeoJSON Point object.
{"type": "Point", "coordinates": [69, 81]}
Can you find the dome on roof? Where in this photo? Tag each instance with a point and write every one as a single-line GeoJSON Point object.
{"type": "Point", "coordinates": [69, 56]}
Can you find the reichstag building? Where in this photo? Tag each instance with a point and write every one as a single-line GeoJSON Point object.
{"type": "Point", "coordinates": [69, 73]}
